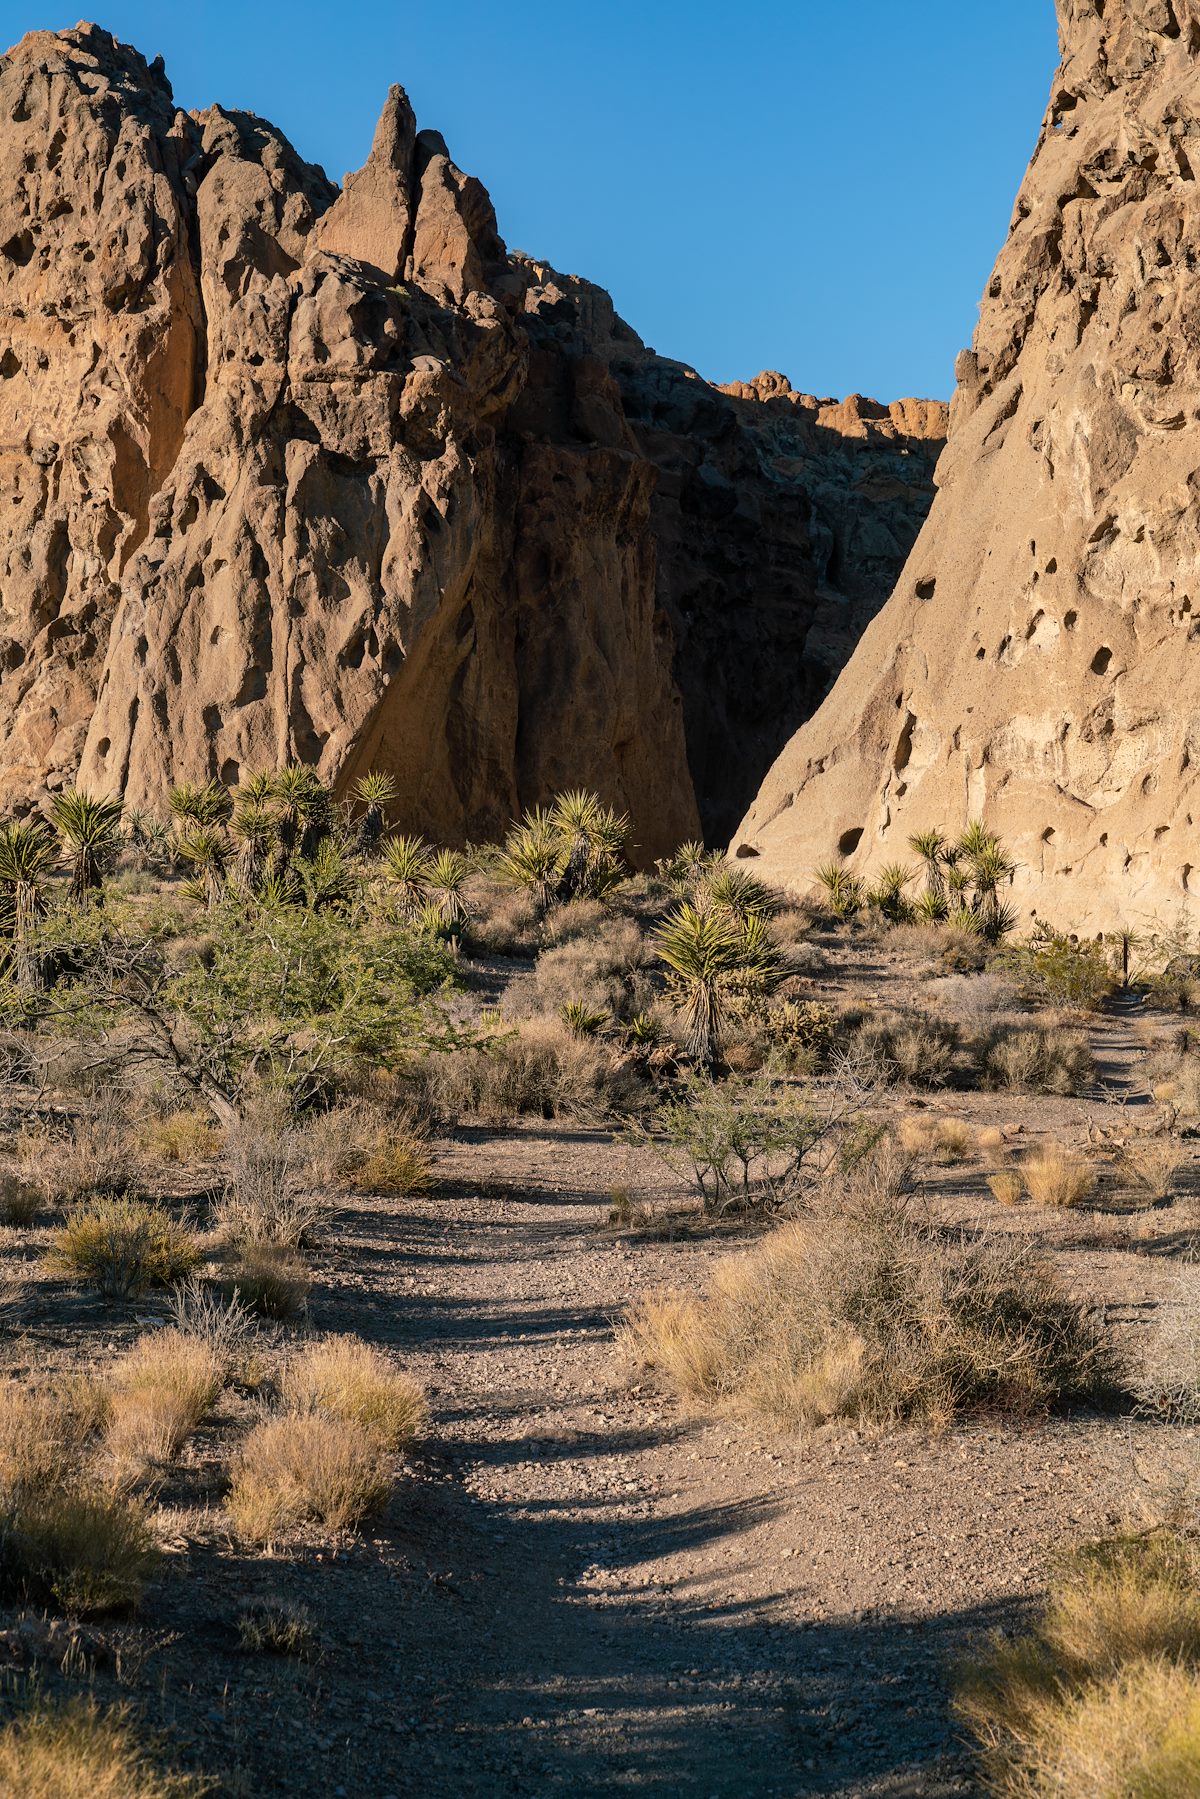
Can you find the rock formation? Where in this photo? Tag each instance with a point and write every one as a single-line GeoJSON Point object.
{"type": "Point", "coordinates": [294, 473]}
{"type": "Point", "coordinates": [1036, 665]}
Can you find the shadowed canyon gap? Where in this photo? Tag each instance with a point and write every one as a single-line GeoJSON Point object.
{"type": "Point", "coordinates": [294, 473]}
{"type": "Point", "coordinates": [1038, 662]}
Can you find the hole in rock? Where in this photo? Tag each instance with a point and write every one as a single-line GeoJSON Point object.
{"type": "Point", "coordinates": [1048, 834]}
{"type": "Point", "coordinates": [1104, 840]}
{"type": "Point", "coordinates": [980, 653]}
{"type": "Point", "coordinates": [230, 771]}
{"type": "Point", "coordinates": [849, 841]}
{"type": "Point", "coordinates": [103, 747]}
{"type": "Point", "coordinates": [744, 851]}
{"type": "Point", "coordinates": [1070, 620]}
{"type": "Point", "coordinates": [9, 366]}
{"type": "Point", "coordinates": [1100, 661]}
{"type": "Point", "coordinates": [1052, 566]}
{"type": "Point", "coordinates": [19, 248]}
{"type": "Point", "coordinates": [926, 589]}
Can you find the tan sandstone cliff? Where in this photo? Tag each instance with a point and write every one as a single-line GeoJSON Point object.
{"type": "Point", "coordinates": [294, 473]}
{"type": "Point", "coordinates": [1039, 663]}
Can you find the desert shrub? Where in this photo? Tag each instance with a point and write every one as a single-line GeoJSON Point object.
{"type": "Point", "coordinates": [919, 1049]}
{"type": "Point", "coordinates": [1054, 1177]}
{"type": "Point", "coordinates": [221, 1324]}
{"type": "Point", "coordinates": [502, 921]}
{"type": "Point", "coordinates": [77, 1751]}
{"type": "Point", "coordinates": [264, 1200]}
{"type": "Point", "coordinates": [1102, 1698]}
{"type": "Point", "coordinates": [97, 1158]}
{"type": "Point", "coordinates": [181, 1137]}
{"type": "Point", "coordinates": [1033, 1058]}
{"type": "Point", "coordinates": [1150, 1166]}
{"type": "Point", "coordinates": [802, 1032]}
{"type": "Point", "coordinates": [158, 1392]}
{"type": "Point", "coordinates": [1053, 970]}
{"type": "Point", "coordinates": [737, 1142]}
{"type": "Point", "coordinates": [862, 1313]}
{"type": "Point", "coordinates": [20, 1201]}
{"type": "Point", "coordinates": [304, 1468]}
{"type": "Point", "coordinates": [41, 1437]}
{"type": "Point", "coordinates": [368, 1149]}
{"type": "Point", "coordinates": [542, 1069]}
{"type": "Point", "coordinates": [604, 968]}
{"type": "Point", "coordinates": [270, 1280]}
{"type": "Point", "coordinates": [954, 1140]}
{"type": "Point", "coordinates": [86, 1551]}
{"type": "Point", "coordinates": [276, 1627]}
{"type": "Point", "coordinates": [122, 1247]}
{"type": "Point", "coordinates": [343, 1378]}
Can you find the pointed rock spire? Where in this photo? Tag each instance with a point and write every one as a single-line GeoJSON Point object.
{"type": "Point", "coordinates": [371, 219]}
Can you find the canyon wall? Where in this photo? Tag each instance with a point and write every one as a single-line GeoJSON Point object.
{"type": "Point", "coordinates": [1039, 662]}
{"type": "Point", "coordinates": [292, 472]}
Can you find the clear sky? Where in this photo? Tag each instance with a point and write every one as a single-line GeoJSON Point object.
{"type": "Point", "coordinates": [818, 186]}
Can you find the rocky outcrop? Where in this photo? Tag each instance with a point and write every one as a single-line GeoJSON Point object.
{"type": "Point", "coordinates": [1039, 663]}
{"type": "Point", "coordinates": [290, 472]}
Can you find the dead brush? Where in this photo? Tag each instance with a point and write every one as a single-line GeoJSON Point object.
{"type": "Point", "coordinates": [74, 1750]}
{"type": "Point", "coordinates": [1055, 1177]}
{"type": "Point", "coordinates": [20, 1201]}
{"type": "Point", "coordinates": [1039, 1059]}
{"type": "Point", "coordinates": [269, 1280]}
{"type": "Point", "coordinates": [340, 1377]}
{"type": "Point", "coordinates": [857, 1311]}
{"type": "Point", "coordinates": [265, 1200]}
{"type": "Point", "coordinates": [158, 1393]}
{"type": "Point", "coordinates": [306, 1468]}
{"type": "Point", "coordinates": [1103, 1697]}
{"type": "Point", "coordinates": [1150, 1167]}
{"type": "Point", "coordinates": [1007, 1185]}
{"type": "Point", "coordinates": [541, 1070]}
{"type": "Point", "coordinates": [603, 967]}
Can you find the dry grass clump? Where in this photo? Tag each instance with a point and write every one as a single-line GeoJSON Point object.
{"type": "Point", "coordinates": [343, 1378]}
{"type": "Point", "coordinates": [860, 1312]}
{"type": "Point", "coordinates": [77, 1751]}
{"type": "Point", "coordinates": [1007, 1185]}
{"type": "Point", "coordinates": [1102, 1699]}
{"type": "Point", "coordinates": [306, 1468]}
{"type": "Point", "coordinates": [1150, 1166]}
{"type": "Point", "coordinates": [919, 1050]}
{"type": "Point", "coordinates": [367, 1149]}
{"type": "Point", "coordinates": [20, 1201]}
{"type": "Point", "coordinates": [97, 1158]}
{"type": "Point", "coordinates": [159, 1391]}
{"type": "Point", "coordinates": [946, 1139]}
{"type": "Point", "coordinates": [183, 1138]}
{"type": "Point", "coordinates": [270, 1280]}
{"type": "Point", "coordinates": [542, 1070]}
{"type": "Point", "coordinates": [1039, 1060]}
{"type": "Point", "coordinates": [276, 1627]}
{"type": "Point", "coordinates": [502, 921]}
{"type": "Point", "coordinates": [1054, 1177]}
{"type": "Point", "coordinates": [89, 1551]}
{"type": "Point", "coordinates": [123, 1247]}
{"type": "Point", "coordinates": [40, 1437]}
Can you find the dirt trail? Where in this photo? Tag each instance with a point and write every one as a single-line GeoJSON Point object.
{"type": "Point", "coordinates": [601, 1595]}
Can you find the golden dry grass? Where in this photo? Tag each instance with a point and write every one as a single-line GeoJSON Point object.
{"type": "Point", "coordinates": [306, 1468]}
{"type": "Point", "coordinates": [20, 1200]}
{"type": "Point", "coordinates": [1007, 1185]}
{"type": "Point", "coordinates": [271, 1280]}
{"type": "Point", "coordinates": [77, 1751]}
{"type": "Point", "coordinates": [344, 1378]}
{"type": "Point", "coordinates": [88, 1551]}
{"type": "Point", "coordinates": [1102, 1699]}
{"type": "Point", "coordinates": [181, 1137]}
{"type": "Point", "coordinates": [1055, 1177]}
{"type": "Point", "coordinates": [159, 1391]}
{"type": "Point", "coordinates": [1150, 1166]}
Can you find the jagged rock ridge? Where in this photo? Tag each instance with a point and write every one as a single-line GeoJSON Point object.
{"type": "Point", "coordinates": [1039, 662]}
{"type": "Point", "coordinates": [288, 472]}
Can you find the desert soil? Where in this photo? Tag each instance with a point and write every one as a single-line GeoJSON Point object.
{"type": "Point", "coordinates": [579, 1587]}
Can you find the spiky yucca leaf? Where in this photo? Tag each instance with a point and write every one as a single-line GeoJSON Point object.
{"type": "Point", "coordinates": [406, 866]}
{"type": "Point", "coordinates": [375, 792]}
{"type": "Point", "coordinates": [738, 894]}
{"type": "Point", "coordinates": [207, 850]}
{"type": "Point", "coordinates": [206, 806]}
{"type": "Point", "coordinates": [702, 950]}
{"type": "Point", "coordinates": [90, 830]}
{"type": "Point", "coordinates": [447, 874]}
{"type": "Point", "coordinates": [582, 1020]}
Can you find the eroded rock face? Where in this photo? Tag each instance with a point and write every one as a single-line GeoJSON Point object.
{"type": "Point", "coordinates": [294, 473]}
{"type": "Point", "coordinates": [1039, 663]}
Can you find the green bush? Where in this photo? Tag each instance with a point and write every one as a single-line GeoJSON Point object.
{"type": "Point", "coordinates": [1053, 970]}
{"type": "Point", "coordinates": [122, 1247]}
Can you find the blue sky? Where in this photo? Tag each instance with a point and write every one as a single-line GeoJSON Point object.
{"type": "Point", "coordinates": [819, 187]}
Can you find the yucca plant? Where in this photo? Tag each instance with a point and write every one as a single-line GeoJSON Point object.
{"type": "Point", "coordinates": [448, 872]}
{"type": "Point", "coordinates": [406, 867]}
{"type": "Point", "coordinates": [207, 850]}
{"type": "Point", "coordinates": [253, 830]}
{"type": "Point", "coordinates": [844, 891]}
{"type": "Point", "coordinates": [738, 895]}
{"type": "Point", "coordinates": [582, 1019]}
{"type": "Point", "coordinates": [975, 840]}
{"type": "Point", "coordinates": [532, 858]}
{"type": "Point", "coordinates": [965, 918]}
{"type": "Point", "coordinates": [375, 792]}
{"type": "Point", "coordinates": [929, 846]}
{"type": "Point", "coordinates": [207, 806]}
{"type": "Point", "coordinates": [28, 853]}
{"type": "Point", "coordinates": [256, 789]}
{"type": "Point", "coordinates": [330, 881]}
{"type": "Point", "coordinates": [591, 839]}
{"type": "Point", "coordinates": [644, 1030]}
{"type": "Point", "coordinates": [685, 867]}
{"type": "Point", "coordinates": [931, 908]}
{"type": "Point", "coordinates": [303, 807]}
{"type": "Point", "coordinates": [702, 951]}
{"type": "Point", "coordinates": [888, 895]}
{"type": "Point", "coordinates": [90, 832]}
